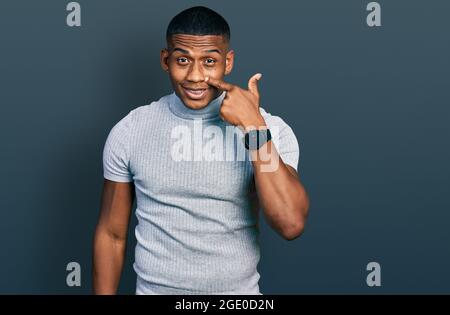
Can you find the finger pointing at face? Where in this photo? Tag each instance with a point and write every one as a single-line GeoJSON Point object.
{"type": "Point", "coordinates": [221, 85]}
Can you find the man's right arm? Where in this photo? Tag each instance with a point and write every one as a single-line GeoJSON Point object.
{"type": "Point", "coordinates": [111, 236]}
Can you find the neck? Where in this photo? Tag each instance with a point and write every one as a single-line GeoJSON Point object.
{"type": "Point", "coordinates": [210, 111]}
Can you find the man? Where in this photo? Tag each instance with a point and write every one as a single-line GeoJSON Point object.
{"type": "Point", "coordinates": [197, 205]}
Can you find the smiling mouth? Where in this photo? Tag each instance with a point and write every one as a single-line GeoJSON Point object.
{"type": "Point", "coordinates": [195, 94]}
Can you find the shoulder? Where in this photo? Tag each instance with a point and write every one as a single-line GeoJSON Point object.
{"type": "Point", "coordinates": [154, 107]}
{"type": "Point", "coordinates": [142, 114]}
{"type": "Point", "coordinates": [274, 122]}
{"type": "Point", "coordinates": [283, 138]}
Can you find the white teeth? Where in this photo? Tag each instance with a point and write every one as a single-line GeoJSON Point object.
{"type": "Point", "coordinates": [197, 92]}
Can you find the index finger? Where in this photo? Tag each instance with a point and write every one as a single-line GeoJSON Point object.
{"type": "Point", "coordinates": [221, 85]}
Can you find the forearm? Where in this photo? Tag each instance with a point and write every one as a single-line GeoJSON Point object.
{"type": "Point", "coordinates": [282, 196]}
{"type": "Point", "coordinates": [109, 256]}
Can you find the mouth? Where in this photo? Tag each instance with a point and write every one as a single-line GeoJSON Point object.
{"type": "Point", "coordinates": [195, 94]}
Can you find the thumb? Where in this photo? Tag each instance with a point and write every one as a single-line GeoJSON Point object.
{"type": "Point", "coordinates": [253, 84]}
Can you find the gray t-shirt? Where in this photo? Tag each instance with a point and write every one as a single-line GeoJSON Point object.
{"type": "Point", "coordinates": [197, 207]}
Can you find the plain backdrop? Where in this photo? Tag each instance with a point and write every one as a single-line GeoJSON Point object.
{"type": "Point", "coordinates": [369, 106]}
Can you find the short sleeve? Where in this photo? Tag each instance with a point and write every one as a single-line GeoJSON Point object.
{"type": "Point", "coordinates": [284, 139]}
{"type": "Point", "coordinates": [116, 153]}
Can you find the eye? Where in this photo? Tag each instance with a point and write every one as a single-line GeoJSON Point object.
{"type": "Point", "coordinates": [182, 60]}
{"type": "Point", "coordinates": [210, 62]}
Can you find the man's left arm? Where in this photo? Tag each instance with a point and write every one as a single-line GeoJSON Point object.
{"type": "Point", "coordinates": [281, 194]}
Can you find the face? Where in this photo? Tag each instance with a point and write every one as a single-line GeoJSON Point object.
{"type": "Point", "coordinates": [189, 59]}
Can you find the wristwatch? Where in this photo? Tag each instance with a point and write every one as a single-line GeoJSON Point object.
{"type": "Point", "coordinates": [255, 139]}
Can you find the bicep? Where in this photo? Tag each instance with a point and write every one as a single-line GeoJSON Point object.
{"type": "Point", "coordinates": [116, 204]}
{"type": "Point", "coordinates": [292, 170]}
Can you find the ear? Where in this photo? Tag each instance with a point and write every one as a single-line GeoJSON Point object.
{"type": "Point", "coordinates": [164, 59]}
{"type": "Point", "coordinates": [229, 61]}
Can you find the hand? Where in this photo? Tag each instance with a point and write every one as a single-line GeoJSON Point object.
{"type": "Point", "coordinates": [240, 107]}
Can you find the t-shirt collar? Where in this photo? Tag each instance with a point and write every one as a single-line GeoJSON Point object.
{"type": "Point", "coordinates": [210, 111]}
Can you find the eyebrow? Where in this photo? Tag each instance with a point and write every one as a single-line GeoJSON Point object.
{"type": "Point", "coordinates": [184, 51]}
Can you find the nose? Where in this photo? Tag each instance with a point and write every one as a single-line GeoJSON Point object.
{"type": "Point", "coordinates": [195, 73]}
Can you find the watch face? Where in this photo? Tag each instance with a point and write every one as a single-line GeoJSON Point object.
{"type": "Point", "coordinates": [254, 139]}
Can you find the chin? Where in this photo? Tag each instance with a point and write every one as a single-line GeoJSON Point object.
{"type": "Point", "coordinates": [194, 104]}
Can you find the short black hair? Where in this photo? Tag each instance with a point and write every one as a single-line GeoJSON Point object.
{"type": "Point", "coordinates": [198, 20]}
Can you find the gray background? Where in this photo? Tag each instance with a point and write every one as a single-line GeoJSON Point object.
{"type": "Point", "coordinates": [368, 105]}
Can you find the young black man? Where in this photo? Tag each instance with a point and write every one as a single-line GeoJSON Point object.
{"type": "Point", "coordinates": [197, 210]}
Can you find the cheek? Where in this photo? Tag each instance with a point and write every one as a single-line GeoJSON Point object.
{"type": "Point", "coordinates": [216, 72]}
{"type": "Point", "coordinates": [177, 74]}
